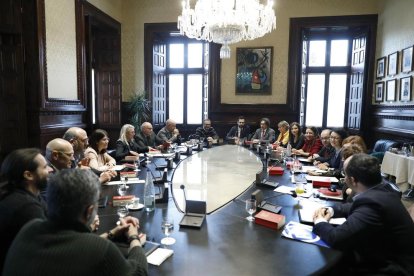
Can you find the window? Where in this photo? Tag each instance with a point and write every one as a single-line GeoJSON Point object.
{"type": "Point", "coordinates": [329, 65]}
{"type": "Point", "coordinates": [185, 74]}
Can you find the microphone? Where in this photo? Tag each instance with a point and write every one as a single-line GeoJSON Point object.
{"type": "Point", "coordinates": [182, 187]}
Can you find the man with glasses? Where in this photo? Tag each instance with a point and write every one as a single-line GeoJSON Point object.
{"type": "Point", "coordinates": [79, 141]}
{"type": "Point", "coordinates": [326, 152]}
{"type": "Point", "coordinates": [377, 237]}
{"type": "Point", "coordinates": [59, 154]}
{"type": "Point", "coordinates": [264, 133]}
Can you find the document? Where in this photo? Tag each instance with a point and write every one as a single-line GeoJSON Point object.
{"type": "Point", "coordinates": [132, 180]}
{"type": "Point", "coordinates": [322, 178]}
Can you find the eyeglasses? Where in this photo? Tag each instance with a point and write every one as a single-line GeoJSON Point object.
{"type": "Point", "coordinates": [68, 154]}
{"type": "Point", "coordinates": [325, 138]}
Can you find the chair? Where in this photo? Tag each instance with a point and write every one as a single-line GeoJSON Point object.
{"type": "Point", "coordinates": [382, 145]}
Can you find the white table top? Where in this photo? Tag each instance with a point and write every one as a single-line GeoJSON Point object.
{"type": "Point", "coordinates": [400, 166]}
{"type": "Point", "coordinates": [216, 175]}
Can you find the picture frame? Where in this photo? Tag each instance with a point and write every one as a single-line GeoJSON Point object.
{"type": "Point", "coordinates": [254, 71]}
{"type": "Point", "coordinates": [379, 92]}
{"type": "Point", "coordinates": [391, 89]}
{"type": "Point", "coordinates": [380, 72]}
{"type": "Point", "coordinates": [405, 89]}
{"type": "Point", "coordinates": [392, 64]}
{"type": "Point", "coordinates": [407, 60]}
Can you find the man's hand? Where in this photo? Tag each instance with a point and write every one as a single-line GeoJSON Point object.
{"type": "Point", "coordinates": [324, 214]}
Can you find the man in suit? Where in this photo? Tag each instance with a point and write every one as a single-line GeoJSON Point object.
{"type": "Point", "coordinates": [264, 133]}
{"type": "Point", "coordinates": [240, 131]}
{"type": "Point", "coordinates": [26, 172]}
{"type": "Point", "coordinates": [378, 235]}
{"type": "Point", "coordinates": [147, 138]}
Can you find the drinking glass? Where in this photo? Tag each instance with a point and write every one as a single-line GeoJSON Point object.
{"type": "Point", "coordinates": [167, 227]}
{"type": "Point", "coordinates": [124, 180]}
{"type": "Point", "coordinates": [122, 211]}
{"type": "Point", "coordinates": [136, 162]}
{"type": "Point", "coordinates": [122, 189]}
{"type": "Point", "coordinates": [148, 159]}
{"type": "Point", "coordinates": [250, 208]}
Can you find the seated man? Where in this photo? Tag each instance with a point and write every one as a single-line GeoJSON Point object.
{"type": "Point", "coordinates": [240, 131]}
{"type": "Point", "coordinates": [26, 172]}
{"type": "Point", "coordinates": [169, 133]}
{"type": "Point", "coordinates": [147, 138]}
{"type": "Point", "coordinates": [64, 245]}
{"type": "Point", "coordinates": [264, 133]}
{"type": "Point", "coordinates": [78, 138]}
{"type": "Point", "coordinates": [377, 236]}
{"type": "Point", "coordinates": [59, 154]}
{"type": "Point", "coordinates": [326, 152]}
{"type": "Point", "coordinates": [208, 132]}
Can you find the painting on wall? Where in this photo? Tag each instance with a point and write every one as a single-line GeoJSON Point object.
{"type": "Point", "coordinates": [391, 89]}
{"type": "Point", "coordinates": [379, 91]}
{"type": "Point", "coordinates": [407, 60]}
{"type": "Point", "coordinates": [393, 64]}
{"type": "Point", "coordinates": [254, 71]}
{"type": "Point", "coordinates": [405, 89]}
{"type": "Point", "coordinates": [380, 68]}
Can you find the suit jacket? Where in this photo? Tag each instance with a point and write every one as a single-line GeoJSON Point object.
{"type": "Point", "coordinates": [325, 154]}
{"type": "Point", "coordinates": [269, 135]}
{"type": "Point", "coordinates": [299, 143]}
{"type": "Point", "coordinates": [244, 133]}
{"type": "Point", "coordinates": [336, 160]}
{"type": "Point", "coordinates": [148, 141]}
{"type": "Point", "coordinates": [123, 149]}
{"type": "Point", "coordinates": [378, 233]}
{"type": "Point", "coordinates": [313, 146]}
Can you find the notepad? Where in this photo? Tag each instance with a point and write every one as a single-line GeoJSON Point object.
{"type": "Point", "coordinates": [159, 256]}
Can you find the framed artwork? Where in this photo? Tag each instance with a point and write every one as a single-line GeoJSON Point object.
{"type": "Point", "coordinates": [405, 89]}
{"type": "Point", "coordinates": [254, 71]}
{"type": "Point", "coordinates": [391, 89]}
{"type": "Point", "coordinates": [380, 68]}
{"type": "Point", "coordinates": [379, 91]}
{"type": "Point", "coordinates": [407, 60]}
{"type": "Point", "coordinates": [393, 64]}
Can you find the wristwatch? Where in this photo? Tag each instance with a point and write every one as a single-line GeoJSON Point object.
{"type": "Point", "coordinates": [133, 237]}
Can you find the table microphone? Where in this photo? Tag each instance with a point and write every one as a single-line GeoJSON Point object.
{"type": "Point", "coordinates": [182, 187]}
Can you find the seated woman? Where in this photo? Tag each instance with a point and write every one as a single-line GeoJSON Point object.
{"type": "Point", "coordinates": [335, 162]}
{"type": "Point", "coordinates": [126, 144]}
{"type": "Point", "coordinates": [296, 138]}
{"type": "Point", "coordinates": [283, 138]}
{"type": "Point", "coordinates": [312, 143]}
{"type": "Point", "coordinates": [356, 139]}
{"type": "Point", "coordinates": [96, 152]}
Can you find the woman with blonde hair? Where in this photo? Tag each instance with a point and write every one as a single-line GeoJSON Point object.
{"type": "Point", "coordinates": [126, 144]}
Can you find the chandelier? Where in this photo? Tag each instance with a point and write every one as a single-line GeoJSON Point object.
{"type": "Point", "coordinates": [226, 21]}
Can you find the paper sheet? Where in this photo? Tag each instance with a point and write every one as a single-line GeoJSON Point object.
{"type": "Point", "coordinates": [159, 256]}
{"type": "Point", "coordinates": [130, 181]}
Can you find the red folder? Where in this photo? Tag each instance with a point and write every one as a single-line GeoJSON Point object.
{"type": "Point", "coordinates": [276, 171]}
{"type": "Point", "coordinates": [321, 183]}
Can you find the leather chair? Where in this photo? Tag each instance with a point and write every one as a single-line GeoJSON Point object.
{"type": "Point", "coordinates": [382, 145]}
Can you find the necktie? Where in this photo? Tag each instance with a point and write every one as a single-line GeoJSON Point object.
{"type": "Point", "coordinates": [263, 133]}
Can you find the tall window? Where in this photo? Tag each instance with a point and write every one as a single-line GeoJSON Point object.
{"type": "Point", "coordinates": [187, 73]}
{"type": "Point", "coordinates": [327, 79]}
{"type": "Point", "coordinates": [331, 60]}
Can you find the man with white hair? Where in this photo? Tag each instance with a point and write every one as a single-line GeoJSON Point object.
{"type": "Point", "coordinates": [169, 133]}
{"type": "Point", "coordinates": [147, 138]}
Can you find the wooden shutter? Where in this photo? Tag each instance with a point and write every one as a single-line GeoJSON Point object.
{"type": "Point", "coordinates": [303, 81]}
{"type": "Point", "coordinates": [356, 86]}
{"type": "Point", "coordinates": [159, 83]}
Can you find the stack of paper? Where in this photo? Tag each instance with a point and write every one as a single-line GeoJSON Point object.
{"type": "Point", "coordinates": [159, 256]}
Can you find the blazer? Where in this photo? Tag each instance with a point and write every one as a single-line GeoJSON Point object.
{"type": "Point", "coordinates": [312, 146]}
{"type": "Point", "coordinates": [269, 135]}
{"type": "Point", "coordinates": [123, 149]}
{"type": "Point", "coordinates": [284, 140]}
{"type": "Point", "coordinates": [378, 233]}
{"type": "Point", "coordinates": [244, 133]}
{"type": "Point", "coordinates": [150, 141]}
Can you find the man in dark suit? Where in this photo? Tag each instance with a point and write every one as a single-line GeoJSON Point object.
{"type": "Point", "coordinates": [378, 235]}
{"type": "Point", "coordinates": [147, 138]}
{"type": "Point", "coordinates": [238, 132]}
{"type": "Point", "coordinates": [264, 133]}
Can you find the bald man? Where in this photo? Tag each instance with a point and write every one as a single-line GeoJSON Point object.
{"type": "Point", "coordinates": [79, 140]}
{"type": "Point", "coordinates": [147, 138]}
{"type": "Point", "coordinates": [169, 133]}
{"type": "Point", "coordinates": [59, 154]}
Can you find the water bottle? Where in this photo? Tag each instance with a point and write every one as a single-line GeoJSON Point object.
{"type": "Point", "coordinates": [289, 150]}
{"type": "Point", "coordinates": [149, 193]}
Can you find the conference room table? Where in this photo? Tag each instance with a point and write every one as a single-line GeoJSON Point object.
{"type": "Point", "coordinates": [227, 243]}
{"type": "Point", "coordinates": [400, 166]}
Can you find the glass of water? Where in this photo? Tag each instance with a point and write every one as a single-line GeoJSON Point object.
{"type": "Point", "coordinates": [250, 208]}
{"type": "Point", "coordinates": [167, 227]}
{"type": "Point", "coordinates": [122, 211]}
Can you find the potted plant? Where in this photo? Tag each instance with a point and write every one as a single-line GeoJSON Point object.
{"type": "Point", "coordinates": [139, 107]}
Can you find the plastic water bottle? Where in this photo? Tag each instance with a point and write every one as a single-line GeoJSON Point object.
{"type": "Point", "coordinates": [289, 150]}
{"type": "Point", "coordinates": [149, 193]}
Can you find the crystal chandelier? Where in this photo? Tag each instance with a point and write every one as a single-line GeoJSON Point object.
{"type": "Point", "coordinates": [226, 21]}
